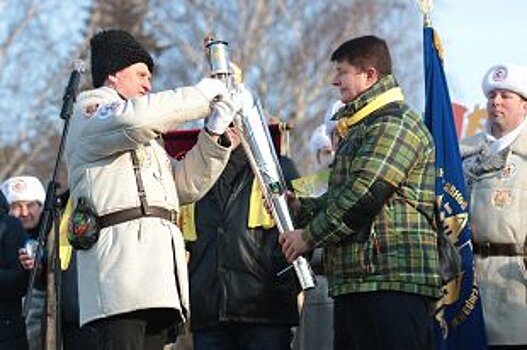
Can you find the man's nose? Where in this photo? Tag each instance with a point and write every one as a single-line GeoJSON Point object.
{"type": "Point", "coordinates": [148, 86]}
{"type": "Point", "coordinates": [498, 99]}
{"type": "Point", "coordinates": [24, 210]}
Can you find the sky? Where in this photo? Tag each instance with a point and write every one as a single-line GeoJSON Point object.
{"type": "Point", "coordinates": [477, 34]}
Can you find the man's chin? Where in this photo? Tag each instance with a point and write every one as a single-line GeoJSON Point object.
{"type": "Point", "coordinates": [497, 117]}
{"type": "Point", "coordinates": [29, 225]}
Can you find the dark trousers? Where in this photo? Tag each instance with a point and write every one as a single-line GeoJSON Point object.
{"type": "Point", "coordinates": [13, 333]}
{"type": "Point", "coordinates": [15, 344]}
{"type": "Point", "coordinates": [242, 336]}
{"type": "Point", "coordinates": [138, 330]}
{"type": "Point", "coordinates": [383, 320]}
{"type": "Point", "coordinates": [77, 338]}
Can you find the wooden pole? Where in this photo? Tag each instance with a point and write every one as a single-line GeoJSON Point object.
{"type": "Point", "coordinates": [51, 301]}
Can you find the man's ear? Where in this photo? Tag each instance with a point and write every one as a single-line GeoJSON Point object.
{"type": "Point", "coordinates": [111, 80]}
{"type": "Point", "coordinates": [372, 75]}
{"type": "Point", "coordinates": [524, 103]}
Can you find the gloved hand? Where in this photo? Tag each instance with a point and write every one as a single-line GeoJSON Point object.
{"type": "Point", "coordinates": [212, 88]}
{"type": "Point", "coordinates": [222, 115]}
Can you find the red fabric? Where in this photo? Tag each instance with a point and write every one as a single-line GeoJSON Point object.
{"type": "Point", "coordinates": [459, 113]}
{"type": "Point", "coordinates": [178, 142]}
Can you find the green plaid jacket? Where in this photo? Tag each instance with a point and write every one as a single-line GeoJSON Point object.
{"type": "Point", "coordinates": [392, 145]}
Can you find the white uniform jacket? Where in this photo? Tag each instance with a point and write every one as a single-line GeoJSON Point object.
{"type": "Point", "coordinates": [498, 197]}
{"type": "Point", "coordinates": [138, 264]}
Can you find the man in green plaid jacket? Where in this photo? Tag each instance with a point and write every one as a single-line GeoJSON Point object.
{"type": "Point", "coordinates": [376, 220]}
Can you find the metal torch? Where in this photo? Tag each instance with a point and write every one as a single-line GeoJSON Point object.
{"type": "Point", "coordinates": [257, 143]}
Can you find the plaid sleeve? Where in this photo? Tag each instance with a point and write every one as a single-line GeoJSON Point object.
{"type": "Point", "coordinates": [309, 208]}
{"type": "Point", "coordinates": [388, 150]}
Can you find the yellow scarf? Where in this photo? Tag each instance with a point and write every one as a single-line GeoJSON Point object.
{"type": "Point", "coordinates": [258, 215]}
{"type": "Point", "coordinates": [186, 222]}
{"type": "Point", "coordinates": [65, 249]}
{"type": "Point", "coordinates": [392, 95]}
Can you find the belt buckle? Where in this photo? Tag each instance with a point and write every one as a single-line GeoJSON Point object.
{"type": "Point", "coordinates": [173, 216]}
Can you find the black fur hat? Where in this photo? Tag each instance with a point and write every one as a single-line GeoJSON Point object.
{"type": "Point", "coordinates": [113, 50]}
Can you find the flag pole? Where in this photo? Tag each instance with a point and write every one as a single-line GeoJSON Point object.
{"type": "Point", "coordinates": [458, 316]}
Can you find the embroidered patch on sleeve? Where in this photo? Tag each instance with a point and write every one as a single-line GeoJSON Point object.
{"type": "Point", "coordinates": [509, 171]}
{"type": "Point", "coordinates": [502, 198]}
{"type": "Point", "coordinates": [90, 110]}
{"type": "Point", "coordinates": [109, 110]}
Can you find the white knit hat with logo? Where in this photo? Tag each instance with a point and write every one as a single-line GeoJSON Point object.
{"type": "Point", "coordinates": [23, 189]}
{"type": "Point", "coordinates": [506, 76]}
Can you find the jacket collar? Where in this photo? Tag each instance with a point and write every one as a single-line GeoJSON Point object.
{"type": "Point", "coordinates": [382, 85]}
{"type": "Point", "coordinates": [476, 144]}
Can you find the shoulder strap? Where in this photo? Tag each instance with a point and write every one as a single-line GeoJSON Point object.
{"type": "Point", "coordinates": [139, 182]}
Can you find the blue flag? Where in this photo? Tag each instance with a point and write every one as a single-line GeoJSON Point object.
{"type": "Point", "coordinates": [459, 317]}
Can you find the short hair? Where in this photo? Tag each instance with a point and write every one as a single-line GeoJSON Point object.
{"type": "Point", "coordinates": [364, 52]}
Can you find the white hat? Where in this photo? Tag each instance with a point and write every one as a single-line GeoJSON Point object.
{"type": "Point", "coordinates": [506, 76]}
{"type": "Point", "coordinates": [319, 139]}
{"type": "Point", "coordinates": [330, 112]}
{"type": "Point", "coordinates": [23, 188]}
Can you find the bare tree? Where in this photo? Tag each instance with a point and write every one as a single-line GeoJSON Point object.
{"type": "Point", "coordinates": [282, 46]}
{"type": "Point", "coordinates": [35, 60]}
{"type": "Point", "coordinates": [29, 140]}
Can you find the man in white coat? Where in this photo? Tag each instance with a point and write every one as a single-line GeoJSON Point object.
{"type": "Point", "coordinates": [133, 279]}
{"type": "Point", "coordinates": [495, 167]}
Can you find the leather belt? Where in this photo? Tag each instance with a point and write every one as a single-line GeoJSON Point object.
{"type": "Point", "coordinates": [136, 213]}
{"type": "Point", "coordinates": [486, 249]}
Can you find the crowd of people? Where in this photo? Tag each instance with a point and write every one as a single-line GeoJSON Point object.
{"type": "Point", "coordinates": [134, 274]}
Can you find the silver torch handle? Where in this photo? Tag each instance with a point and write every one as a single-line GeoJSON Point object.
{"type": "Point", "coordinates": [257, 143]}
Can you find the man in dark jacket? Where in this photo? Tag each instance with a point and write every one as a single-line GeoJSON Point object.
{"type": "Point", "coordinates": [22, 206]}
{"type": "Point", "coordinates": [237, 299]}
{"type": "Point", "coordinates": [25, 196]}
{"type": "Point", "coordinates": [13, 281]}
